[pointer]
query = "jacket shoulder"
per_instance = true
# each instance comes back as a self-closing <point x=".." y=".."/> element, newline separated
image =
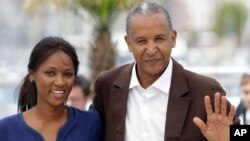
<point x="193" y="78"/>
<point x="190" y="75"/>
<point x="200" y="81"/>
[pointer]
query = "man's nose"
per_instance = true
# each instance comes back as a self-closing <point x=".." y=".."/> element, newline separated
<point x="151" y="48"/>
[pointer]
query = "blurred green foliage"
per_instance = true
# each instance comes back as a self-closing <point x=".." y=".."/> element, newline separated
<point x="230" y="19"/>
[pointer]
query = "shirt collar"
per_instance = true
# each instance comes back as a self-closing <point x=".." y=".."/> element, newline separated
<point x="162" y="83"/>
<point x="134" y="81"/>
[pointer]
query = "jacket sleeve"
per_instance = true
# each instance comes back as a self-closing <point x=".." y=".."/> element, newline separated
<point x="98" y="98"/>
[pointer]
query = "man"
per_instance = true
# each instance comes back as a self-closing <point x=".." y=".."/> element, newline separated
<point x="243" y="110"/>
<point x="155" y="99"/>
<point x="80" y="94"/>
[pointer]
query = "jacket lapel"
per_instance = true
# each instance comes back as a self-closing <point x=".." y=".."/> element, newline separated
<point x="119" y="94"/>
<point x="178" y="104"/>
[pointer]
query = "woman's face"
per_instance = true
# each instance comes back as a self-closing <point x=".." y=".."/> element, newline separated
<point x="54" y="79"/>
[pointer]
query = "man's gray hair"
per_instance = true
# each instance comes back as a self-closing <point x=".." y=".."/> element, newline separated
<point x="147" y="8"/>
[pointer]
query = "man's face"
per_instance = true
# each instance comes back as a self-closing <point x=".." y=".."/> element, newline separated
<point x="246" y="94"/>
<point x="150" y="40"/>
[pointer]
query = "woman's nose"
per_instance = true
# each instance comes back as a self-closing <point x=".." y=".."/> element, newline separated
<point x="60" y="81"/>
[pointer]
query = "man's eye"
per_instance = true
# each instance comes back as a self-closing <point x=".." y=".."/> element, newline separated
<point x="141" y="41"/>
<point x="160" y="39"/>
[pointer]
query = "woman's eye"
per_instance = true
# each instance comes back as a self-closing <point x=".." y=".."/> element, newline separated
<point x="49" y="73"/>
<point x="69" y="74"/>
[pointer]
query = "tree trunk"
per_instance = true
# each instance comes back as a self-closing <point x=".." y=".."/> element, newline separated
<point x="102" y="55"/>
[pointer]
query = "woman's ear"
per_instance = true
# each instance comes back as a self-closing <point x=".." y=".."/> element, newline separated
<point x="31" y="76"/>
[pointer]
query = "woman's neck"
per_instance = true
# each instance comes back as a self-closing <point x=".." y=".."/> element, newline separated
<point x="50" y="113"/>
<point x="46" y="120"/>
<point x="46" y="114"/>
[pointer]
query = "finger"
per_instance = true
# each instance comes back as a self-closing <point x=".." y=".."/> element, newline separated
<point x="223" y="106"/>
<point x="231" y="113"/>
<point x="208" y="105"/>
<point x="217" y="103"/>
<point x="200" y="124"/>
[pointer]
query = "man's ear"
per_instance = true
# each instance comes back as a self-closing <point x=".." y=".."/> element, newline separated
<point x="128" y="43"/>
<point x="173" y="38"/>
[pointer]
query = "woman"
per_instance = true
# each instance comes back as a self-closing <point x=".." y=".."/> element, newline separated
<point x="43" y="116"/>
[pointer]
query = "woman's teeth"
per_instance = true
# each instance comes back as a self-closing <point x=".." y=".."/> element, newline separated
<point x="57" y="92"/>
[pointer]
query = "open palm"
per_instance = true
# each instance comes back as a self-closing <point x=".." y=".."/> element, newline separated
<point x="218" y="121"/>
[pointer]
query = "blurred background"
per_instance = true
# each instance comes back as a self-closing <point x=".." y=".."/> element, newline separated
<point x="213" y="38"/>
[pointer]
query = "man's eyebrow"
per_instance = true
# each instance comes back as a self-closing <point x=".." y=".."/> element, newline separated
<point x="139" y="37"/>
<point x="160" y="35"/>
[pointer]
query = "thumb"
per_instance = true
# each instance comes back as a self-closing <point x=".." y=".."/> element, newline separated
<point x="200" y="124"/>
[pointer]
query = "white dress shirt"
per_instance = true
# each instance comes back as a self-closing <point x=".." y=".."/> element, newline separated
<point x="147" y="108"/>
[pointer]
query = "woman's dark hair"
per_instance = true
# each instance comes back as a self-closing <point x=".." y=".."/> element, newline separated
<point x="40" y="53"/>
